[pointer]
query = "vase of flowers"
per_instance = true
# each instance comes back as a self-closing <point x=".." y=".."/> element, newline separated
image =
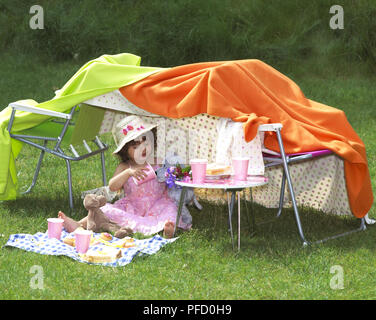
<point x="177" y="173"/>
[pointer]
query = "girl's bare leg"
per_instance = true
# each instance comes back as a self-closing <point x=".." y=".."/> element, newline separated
<point x="69" y="224"/>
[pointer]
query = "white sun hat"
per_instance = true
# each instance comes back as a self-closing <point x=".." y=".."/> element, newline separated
<point x="129" y="129"/>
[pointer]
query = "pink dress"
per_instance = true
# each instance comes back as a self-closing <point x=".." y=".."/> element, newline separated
<point x="145" y="208"/>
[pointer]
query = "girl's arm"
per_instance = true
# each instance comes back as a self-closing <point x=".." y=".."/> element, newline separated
<point x="122" y="173"/>
<point x="120" y="177"/>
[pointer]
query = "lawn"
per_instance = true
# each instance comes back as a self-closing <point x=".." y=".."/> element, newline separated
<point x="201" y="264"/>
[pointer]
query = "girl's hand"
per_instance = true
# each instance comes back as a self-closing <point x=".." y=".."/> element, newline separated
<point x="138" y="173"/>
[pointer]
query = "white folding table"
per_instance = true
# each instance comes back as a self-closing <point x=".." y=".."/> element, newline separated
<point x="229" y="185"/>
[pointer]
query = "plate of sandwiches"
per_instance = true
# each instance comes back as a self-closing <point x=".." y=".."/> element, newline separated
<point x="102" y="255"/>
<point x="215" y="171"/>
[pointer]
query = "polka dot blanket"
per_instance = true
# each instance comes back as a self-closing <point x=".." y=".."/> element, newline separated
<point x="40" y="243"/>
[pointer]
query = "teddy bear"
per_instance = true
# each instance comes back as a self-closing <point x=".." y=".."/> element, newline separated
<point x="173" y="159"/>
<point x="97" y="221"/>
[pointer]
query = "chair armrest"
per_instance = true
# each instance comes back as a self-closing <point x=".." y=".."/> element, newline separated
<point x="32" y="109"/>
<point x="270" y="127"/>
<point x="271" y="152"/>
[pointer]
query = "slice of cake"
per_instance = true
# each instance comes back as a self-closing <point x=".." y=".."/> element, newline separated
<point x="213" y="169"/>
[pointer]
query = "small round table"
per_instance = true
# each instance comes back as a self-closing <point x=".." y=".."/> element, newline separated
<point x="228" y="185"/>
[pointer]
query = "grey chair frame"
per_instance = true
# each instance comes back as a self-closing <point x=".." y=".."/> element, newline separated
<point x="56" y="150"/>
<point x="286" y="161"/>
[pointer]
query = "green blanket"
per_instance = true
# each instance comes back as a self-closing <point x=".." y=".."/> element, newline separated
<point x="96" y="77"/>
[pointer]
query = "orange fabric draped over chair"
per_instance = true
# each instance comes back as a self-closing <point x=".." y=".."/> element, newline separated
<point x="252" y="92"/>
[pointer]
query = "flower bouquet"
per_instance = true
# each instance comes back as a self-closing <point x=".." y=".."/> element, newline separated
<point x="177" y="173"/>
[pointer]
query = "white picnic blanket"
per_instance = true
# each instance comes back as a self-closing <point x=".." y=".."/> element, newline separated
<point x="40" y="243"/>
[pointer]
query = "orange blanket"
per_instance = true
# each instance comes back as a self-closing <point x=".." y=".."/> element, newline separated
<point x="253" y="92"/>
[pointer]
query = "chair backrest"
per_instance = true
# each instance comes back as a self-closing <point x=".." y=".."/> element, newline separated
<point x="84" y="125"/>
<point x="88" y="123"/>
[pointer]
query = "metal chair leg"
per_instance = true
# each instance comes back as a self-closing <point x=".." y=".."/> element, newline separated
<point x="296" y="211"/>
<point x="291" y="190"/>
<point x="282" y="194"/>
<point x="70" y="184"/>
<point x="104" y="178"/>
<point x="37" y="169"/>
<point x="362" y="227"/>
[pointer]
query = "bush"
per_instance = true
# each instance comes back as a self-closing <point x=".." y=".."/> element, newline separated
<point x="169" y="33"/>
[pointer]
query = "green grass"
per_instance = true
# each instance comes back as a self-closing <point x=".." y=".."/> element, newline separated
<point x="201" y="263"/>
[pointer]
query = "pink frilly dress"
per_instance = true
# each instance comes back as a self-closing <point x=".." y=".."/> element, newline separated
<point x="145" y="208"/>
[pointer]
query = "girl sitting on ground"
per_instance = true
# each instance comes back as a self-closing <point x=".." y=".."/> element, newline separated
<point x="146" y="207"/>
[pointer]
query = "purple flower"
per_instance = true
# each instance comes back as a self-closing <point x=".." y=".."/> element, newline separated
<point x="170" y="182"/>
<point x="170" y="170"/>
<point x="174" y="173"/>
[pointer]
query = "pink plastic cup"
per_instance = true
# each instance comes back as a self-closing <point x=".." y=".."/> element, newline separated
<point x="55" y="226"/>
<point x="240" y="166"/>
<point x="198" y="167"/>
<point x="83" y="238"/>
<point x="150" y="175"/>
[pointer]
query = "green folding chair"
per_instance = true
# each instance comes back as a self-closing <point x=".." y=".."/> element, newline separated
<point x="78" y="127"/>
